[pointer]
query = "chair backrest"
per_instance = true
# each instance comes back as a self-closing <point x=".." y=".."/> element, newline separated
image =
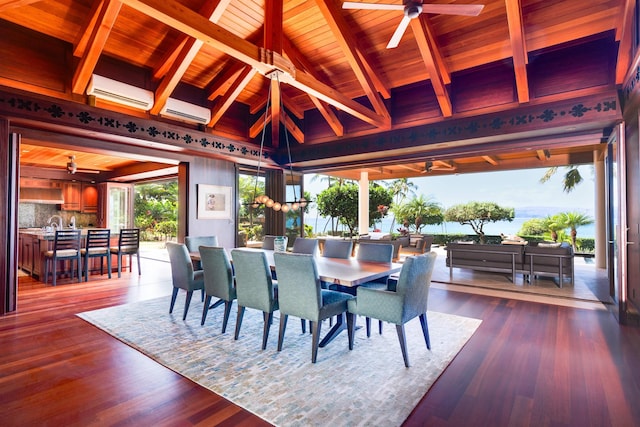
<point x="299" y="292"/>
<point x="129" y="239"/>
<point x="218" y="274"/>
<point x="305" y="246"/>
<point x="375" y="252"/>
<point x="98" y="239"/>
<point x="337" y="248"/>
<point x="267" y="242"/>
<point x="67" y="240"/>
<point x="414" y="283"/>
<point x="194" y="242"/>
<point x="254" y="286"/>
<point x="181" y="266"/>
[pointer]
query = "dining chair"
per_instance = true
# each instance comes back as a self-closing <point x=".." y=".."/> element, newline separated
<point x="254" y="288"/>
<point x="300" y="295"/>
<point x="337" y="248"/>
<point x="375" y="253"/>
<point x="183" y="275"/>
<point x="304" y="245"/>
<point x="194" y="242"/>
<point x="408" y="301"/>
<point x="128" y="244"/>
<point x="267" y="242"/>
<point x="218" y="281"/>
<point x="66" y="246"/>
<point x="97" y="246"/>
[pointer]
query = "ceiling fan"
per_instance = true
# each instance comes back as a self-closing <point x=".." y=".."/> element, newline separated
<point x="412" y="9"/>
<point x="72" y="167"/>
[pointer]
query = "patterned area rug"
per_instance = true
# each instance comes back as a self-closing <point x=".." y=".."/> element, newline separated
<point x="367" y="386"/>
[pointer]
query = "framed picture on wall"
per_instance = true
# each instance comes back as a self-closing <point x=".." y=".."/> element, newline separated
<point x="214" y="202"/>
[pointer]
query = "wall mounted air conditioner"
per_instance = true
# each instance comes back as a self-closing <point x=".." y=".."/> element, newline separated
<point x="176" y="109"/>
<point x="120" y="93"/>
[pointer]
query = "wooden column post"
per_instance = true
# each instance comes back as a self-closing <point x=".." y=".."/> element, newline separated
<point x="10" y="173"/>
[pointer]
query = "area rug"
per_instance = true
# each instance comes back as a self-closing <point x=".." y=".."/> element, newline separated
<point x="367" y="386"/>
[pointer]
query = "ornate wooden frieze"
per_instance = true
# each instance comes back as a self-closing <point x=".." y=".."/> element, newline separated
<point x="91" y="119"/>
<point x="596" y="109"/>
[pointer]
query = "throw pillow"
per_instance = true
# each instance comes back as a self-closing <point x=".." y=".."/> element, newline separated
<point x="549" y="245"/>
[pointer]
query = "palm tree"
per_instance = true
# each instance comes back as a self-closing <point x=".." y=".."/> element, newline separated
<point x="571" y="178"/>
<point x="573" y="220"/>
<point x="420" y="211"/>
<point x="400" y="189"/>
<point x="554" y="224"/>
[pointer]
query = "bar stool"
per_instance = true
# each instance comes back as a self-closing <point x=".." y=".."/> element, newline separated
<point x="97" y="246"/>
<point x="128" y="244"/>
<point x="66" y="246"/>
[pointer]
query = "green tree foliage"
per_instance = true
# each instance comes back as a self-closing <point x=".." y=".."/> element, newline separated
<point x="418" y="212"/>
<point x="574" y="220"/>
<point x="554" y="224"/>
<point x="341" y="202"/>
<point x="156" y="209"/>
<point x="571" y="178"/>
<point x="477" y="214"/>
<point x="533" y="227"/>
<point x="400" y="189"/>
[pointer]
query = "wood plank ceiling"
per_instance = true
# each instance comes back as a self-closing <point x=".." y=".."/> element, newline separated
<point x="331" y="60"/>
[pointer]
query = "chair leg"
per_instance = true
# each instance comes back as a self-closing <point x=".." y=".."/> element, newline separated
<point x="283" y="326"/>
<point x="119" y="266"/>
<point x="205" y="309"/>
<point x="351" y="327"/>
<point x="227" y="311"/>
<point x="186" y="304"/>
<point x="109" y="265"/>
<point x="268" y="319"/>
<point x="79" y="264"/>
<point x="139" y="271"/>
<point x="46" y="271"/>
<point x="174" y="294"/>
<point x="367" y="321"/>
<point x="239" y="321"/>
<point x="380" y="327"/>
<point x="55" y="265"/>
<point x="425" y="329"/>
<point x="303" y="323"/>
<point x="403" y="344"/>
<point x="315" y="339"/>
<point x="86" y="268"/>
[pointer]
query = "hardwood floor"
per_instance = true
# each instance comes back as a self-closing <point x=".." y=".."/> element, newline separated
<point x="528" y="364"/>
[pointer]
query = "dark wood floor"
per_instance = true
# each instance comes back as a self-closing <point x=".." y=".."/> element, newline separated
<point x="529" y="364"/>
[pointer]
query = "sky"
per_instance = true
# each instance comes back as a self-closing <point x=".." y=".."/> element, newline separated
<point x="516" y="189"/>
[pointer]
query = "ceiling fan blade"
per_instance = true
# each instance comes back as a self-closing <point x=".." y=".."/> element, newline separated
<point x="453" y="9"/>
<point x="397" y="35"/>
<point x="371" y="6"/>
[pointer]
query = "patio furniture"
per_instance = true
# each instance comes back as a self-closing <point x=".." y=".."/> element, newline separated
<point x="407" y="302"/>
<point x="182" y="274"/>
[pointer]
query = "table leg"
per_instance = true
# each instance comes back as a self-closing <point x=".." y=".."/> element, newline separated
<point x="334" y="331"/>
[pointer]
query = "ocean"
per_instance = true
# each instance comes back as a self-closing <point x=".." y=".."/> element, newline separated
<point x="323" y="225"/>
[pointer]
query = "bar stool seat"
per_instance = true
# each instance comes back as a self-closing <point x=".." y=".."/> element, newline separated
<point x="66" y="246"/>
<point x="97" y="246"/>
<point x="128" y="244"/>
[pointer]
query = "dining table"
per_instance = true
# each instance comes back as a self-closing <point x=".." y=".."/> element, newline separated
<point x="348" y="273"/>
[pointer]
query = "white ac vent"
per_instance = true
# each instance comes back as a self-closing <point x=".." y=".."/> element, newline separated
<point x="176" y="109"/>
<point x="120" y="93"/>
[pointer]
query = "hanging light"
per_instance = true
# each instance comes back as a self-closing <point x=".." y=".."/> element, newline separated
<point x="263" y="199"/>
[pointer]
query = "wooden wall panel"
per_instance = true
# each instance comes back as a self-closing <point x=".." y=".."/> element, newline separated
<point x="483" y="87"/>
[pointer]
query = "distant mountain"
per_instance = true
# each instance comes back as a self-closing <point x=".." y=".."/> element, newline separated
<point x="543" y="211"/>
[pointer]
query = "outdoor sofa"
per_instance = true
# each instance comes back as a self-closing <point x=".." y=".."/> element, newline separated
<point x="532" y="260"/>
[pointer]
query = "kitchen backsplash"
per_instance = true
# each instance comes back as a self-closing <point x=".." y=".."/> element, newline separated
<point x="32" y="215"/>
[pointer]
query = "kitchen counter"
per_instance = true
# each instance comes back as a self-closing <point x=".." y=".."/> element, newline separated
<point x="49" y="235"/>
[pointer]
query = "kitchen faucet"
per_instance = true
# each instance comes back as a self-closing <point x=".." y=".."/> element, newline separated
<point x="59" y="225"/>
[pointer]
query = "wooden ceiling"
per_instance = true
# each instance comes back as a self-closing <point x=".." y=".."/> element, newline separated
<point x="333" y="63"/>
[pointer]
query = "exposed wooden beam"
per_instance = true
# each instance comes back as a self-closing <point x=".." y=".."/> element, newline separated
<point x="426" y="45"/>
<point x="85" y="34"/>
<point x="292" y="127"/>
<point x="99" y="35"/>
<point x="519" y="48"/>
<point x="491" y="160"/>
<point x="340" y="29"/>
<point x="11" y="4"/>
<point x="410" y="167"/>
<point x="373" y="75"/>
<point x="223" y="81"/>
<point x="259" y="124"/>
<point x="230" y="96"/>
<point x="624" y="36"/>
<point x="292" y="107"/>
<point x="273" y="42"/>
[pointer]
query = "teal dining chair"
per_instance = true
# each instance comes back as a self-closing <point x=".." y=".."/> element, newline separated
<point x="254" y="288"/>
<point x="194" y="242"/>
<point x="218" y="281"/>
<point x="408" y="301"/>
<point x="303" y="245"/>
<point x="300" y="295"/>
<point x="183" y="275"/>
<point x="371" y="252"/>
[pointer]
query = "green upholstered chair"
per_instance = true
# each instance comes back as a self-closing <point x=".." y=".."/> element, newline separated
<point x="128" y="244"/>
<point x="337" y="248"/>
<point x="267" y="242"/>
<point x="304" y="245"/>
<point x="183" y="275"/>
<point x="300" y="295"/>
<point x="408" y="301"/>
<point x="254" y="288"/>
<point x="66" y="247"/>
<point x="97" y="246"/>
<point x="218" y="281"/>
<point x="375" y="253"/>
<point x="194" y="242"/>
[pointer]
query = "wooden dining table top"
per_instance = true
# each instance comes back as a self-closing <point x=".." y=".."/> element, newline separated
<point x="345" y="272"/>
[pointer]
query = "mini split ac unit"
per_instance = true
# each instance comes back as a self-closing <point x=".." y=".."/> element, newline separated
<point x="120" y="93"/>
<point x="176" y="109"/>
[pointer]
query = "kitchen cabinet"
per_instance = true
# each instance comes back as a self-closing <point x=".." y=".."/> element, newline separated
<point x="29" y="253"/>
<point x="72" y="192"/>
<point x="89" y="199"/>
<point x="39" y="183"/>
